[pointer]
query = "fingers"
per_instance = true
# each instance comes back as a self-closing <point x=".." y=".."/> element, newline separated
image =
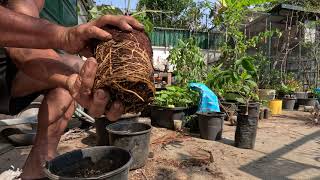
<point x="97" y="33"/>
<point x="126" y="23"/>
<point x="134" y="23"/>
<point x="115" y="112"/>
<point x="99" y="103"/>
<point x="87" y="76"/>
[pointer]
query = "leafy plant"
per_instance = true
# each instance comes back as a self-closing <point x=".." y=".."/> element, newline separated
<point x="175" y="96"/>
<point x="188" y="61"/>
<point x="237" y="82"/>
<point x="290" y="85"/>
<point x="98" y="11"/>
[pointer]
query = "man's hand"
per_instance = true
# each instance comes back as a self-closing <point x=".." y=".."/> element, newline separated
<point x="75" y="39"/>
<point x="80" y="88"/>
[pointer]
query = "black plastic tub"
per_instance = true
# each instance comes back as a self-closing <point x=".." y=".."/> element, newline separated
<point x="133" y="137"/>
<point x="289" y="104"/>
<point x="247" y="124"/>
<point x="164" y="117"/>
<point x="228" y="106"/>
<point x="104" y="162"/>
<point x="211" y="125"/>
<point x="306" y="102"/>
<point x="191" y="110"/>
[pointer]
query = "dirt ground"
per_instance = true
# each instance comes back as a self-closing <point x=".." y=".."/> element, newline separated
<point x="287" y="147"/>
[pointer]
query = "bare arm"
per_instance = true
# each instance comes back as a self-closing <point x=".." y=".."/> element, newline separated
<point x="19" y="30"/>
<point x="44" y="65"/>
<point x="49" y="67"/>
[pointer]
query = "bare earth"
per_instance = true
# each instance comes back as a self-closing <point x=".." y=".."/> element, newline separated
<point x="287" y="147"/>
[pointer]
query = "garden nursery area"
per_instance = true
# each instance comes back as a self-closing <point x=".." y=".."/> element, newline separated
<point x="214" y="89"/>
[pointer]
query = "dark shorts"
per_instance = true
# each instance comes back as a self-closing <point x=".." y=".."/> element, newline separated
<point x="8" y="104"/>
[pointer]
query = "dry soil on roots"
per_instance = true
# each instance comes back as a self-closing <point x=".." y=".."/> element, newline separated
<point x="125" y="68"/>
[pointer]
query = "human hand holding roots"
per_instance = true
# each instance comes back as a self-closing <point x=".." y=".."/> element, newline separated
<point x="125" y="68"/>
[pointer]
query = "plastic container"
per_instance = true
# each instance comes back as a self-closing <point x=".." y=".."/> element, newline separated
<point x="261" y="114"/>
<point x="301" y="95"/>
<point x="247" y="124"/>
<point x="104" y="162"/>
<point x="133" y="137"/>
<point x="211" y="125"/>
<point x="306" y="102"/>
<point x="289" y="104"/>
<point x="266" y="113"/>
<point x="275" y="107"/>
<point x="163" y="117"/>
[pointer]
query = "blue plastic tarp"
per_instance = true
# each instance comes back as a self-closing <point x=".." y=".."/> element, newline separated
<point x="209" y="101"/>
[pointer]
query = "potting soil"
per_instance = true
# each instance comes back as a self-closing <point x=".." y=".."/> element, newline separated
<point x="86" y="168"/>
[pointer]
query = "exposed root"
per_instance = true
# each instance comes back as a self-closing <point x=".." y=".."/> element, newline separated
<point x="125" y="69"/>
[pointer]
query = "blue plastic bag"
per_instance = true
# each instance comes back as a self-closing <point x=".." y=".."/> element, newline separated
<point x="209" y="102"/>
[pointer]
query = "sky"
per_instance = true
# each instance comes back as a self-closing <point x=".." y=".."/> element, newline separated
<point x="119" y="3"/>
<point x="122" y="3"/>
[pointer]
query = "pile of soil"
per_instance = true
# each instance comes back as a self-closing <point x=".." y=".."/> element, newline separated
<point x="125" y="68"/>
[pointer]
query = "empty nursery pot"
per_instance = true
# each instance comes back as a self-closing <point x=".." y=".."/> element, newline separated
<point x="104" y="162"/>
<point x="247" y="124"/>
<point x="289" y="103"/>
<point x="211" y="125"/>
<point x="134" y="137"/>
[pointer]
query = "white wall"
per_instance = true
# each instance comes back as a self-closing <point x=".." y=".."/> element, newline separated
<point x="82" y="14"/>
<point x="160" y="55"/>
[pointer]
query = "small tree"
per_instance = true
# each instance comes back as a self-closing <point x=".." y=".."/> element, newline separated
<point x="188" y="61"/>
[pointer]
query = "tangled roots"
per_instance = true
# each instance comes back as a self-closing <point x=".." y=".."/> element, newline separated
<point x="125" y="69"/>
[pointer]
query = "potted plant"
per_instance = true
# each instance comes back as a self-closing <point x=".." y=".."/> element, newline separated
<point x="248" y="111"/>
<point x="216" y="80"/>
<point x="289" y="100"/>
<point x="170" y="105"/>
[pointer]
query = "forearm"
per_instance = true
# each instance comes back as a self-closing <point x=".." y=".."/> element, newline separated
<point x="19" y="30"/>
<point x="45" y="65"/>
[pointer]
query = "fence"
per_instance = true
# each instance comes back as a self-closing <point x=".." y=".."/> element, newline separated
<point x="168" y="37"/>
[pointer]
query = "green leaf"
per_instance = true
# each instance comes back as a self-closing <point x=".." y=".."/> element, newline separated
<point x="248" y="65"/>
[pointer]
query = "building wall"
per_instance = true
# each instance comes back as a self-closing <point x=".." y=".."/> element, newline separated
<point x="160" y="55"/>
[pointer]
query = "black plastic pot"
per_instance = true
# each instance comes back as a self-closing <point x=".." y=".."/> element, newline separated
<point x="146" y="112"/>
<point x="306" y="102"/>
<point x="193" y="124"/>
<point x="266" y="113"/>
<point x="191" y="110"/>
<point x="228" y="106"/>
<point x="301" y="95"/>
<point x="311" y="102"/>
<point x="134" y="137"/>
<point x="289" y="104"/>
<point x="247" y="124"/>
<point x="101" y="132"/>
<point x="211" y="125"/>
<point x="163" y="117"/>
<point x="261" y="114"/>
<point x="110" y="163"/>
